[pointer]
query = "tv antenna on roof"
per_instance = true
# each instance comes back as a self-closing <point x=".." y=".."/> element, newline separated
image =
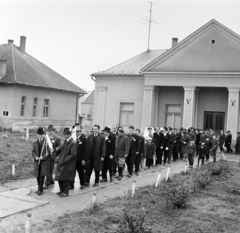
<point x="150" y="21"/>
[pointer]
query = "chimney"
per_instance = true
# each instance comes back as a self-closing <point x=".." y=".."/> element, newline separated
<point x="174" y="41"/>
<point x="10" y="41"/>
<point x="22" y="47"/>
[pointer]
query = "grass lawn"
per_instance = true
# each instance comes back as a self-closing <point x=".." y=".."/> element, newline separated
<point x="212" y="209"/>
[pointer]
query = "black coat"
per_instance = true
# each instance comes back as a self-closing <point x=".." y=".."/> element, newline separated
<point x="133" y="143"/>
<point x="81" y="148"/>
<point x="177" y="143"/>
<point x="141" y="145"/>
<point x="98" y="152"/>
<point x="165" y="141"/>
<point x="110" y="146"/>
<point x="202" y="150"/>
<point x="228" y="140"/>
<point x="67" y="161"/>
<point x="171" y="139"/>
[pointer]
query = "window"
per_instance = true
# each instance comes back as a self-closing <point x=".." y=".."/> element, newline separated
<point x="126" y="114"/>
<point x="46" y="108"/>
<point x="5" y="113"/>
<point x="23" y="105"/>
<point x="35" y="107"/>
<point x="214" y="120"/>
<point x="173" y="116"/>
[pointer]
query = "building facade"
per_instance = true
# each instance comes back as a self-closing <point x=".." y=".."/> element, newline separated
<point x="195" y="83"/>
<point x="32" y="94"/>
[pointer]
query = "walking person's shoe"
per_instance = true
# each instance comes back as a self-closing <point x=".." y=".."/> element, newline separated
<point x="59" y="193"/>
<point x="39" y="193"/>
<point x="82" y="187"/>
<point x="96" y="185"/>
<point x="119" y="178"/>
<point x="64" y="195"/>
<point x="129" y="175"/>
<point x="86" y="185"/>
<point x="103" y="180"/>
<point x="136" y="173"/>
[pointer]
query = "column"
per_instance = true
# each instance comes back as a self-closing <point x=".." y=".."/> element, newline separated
<point x="196" y="107"/>
<point x="233" y="111"/>
<point x="189" y="106"/>
<point x="156" y="106"/>
<point x="147" y="110"/>
<point x="100" y="109"/>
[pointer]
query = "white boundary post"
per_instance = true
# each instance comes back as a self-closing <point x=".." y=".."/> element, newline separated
<point x="133" y="188"/>
<point x="158" y="179"/>
<point x="28" y="223"/>
<point x="168" y="171"/>
<point x="94" y="198"/>
<point x="13" y="170"/>
<point x="27" y="134"/>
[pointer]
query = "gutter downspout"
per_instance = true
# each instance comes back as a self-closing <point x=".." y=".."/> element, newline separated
<point x="77" y="101"/>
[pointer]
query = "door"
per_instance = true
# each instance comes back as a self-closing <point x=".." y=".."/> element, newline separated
<point x="214" y="120"/>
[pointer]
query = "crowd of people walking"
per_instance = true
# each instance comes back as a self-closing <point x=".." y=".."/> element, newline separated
<point x="109" y="151"/>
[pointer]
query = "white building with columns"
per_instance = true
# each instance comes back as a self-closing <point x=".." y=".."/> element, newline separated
<point x="194" y="83"/>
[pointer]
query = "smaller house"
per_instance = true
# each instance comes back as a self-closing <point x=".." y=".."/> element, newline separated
<point x="86" y="113"/>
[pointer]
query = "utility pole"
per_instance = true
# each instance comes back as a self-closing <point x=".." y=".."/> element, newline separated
<point x="150" y="21"/>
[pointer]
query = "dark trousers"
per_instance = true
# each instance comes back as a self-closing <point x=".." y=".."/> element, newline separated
<point x="49" y="179"/>
<point x="114" y="167"/>
<point x="166" y="156"/>
<point x="138" y="162"/>
<point x="158" y="155"/>
<point x="201" y="158"/>
<point x="170" y="154"/>
<point x="197" y="146"/>
<point x="89" y="172"/>
<point x="130" y="162"/>
<point x="107" y="166"/>
<point x="207" y="156"/>
<point x="229" y="149"/>
<point x="149" y="162"/>
<point x="80" y="169"/>
<point x="64" y="186"/>
<point x="40" y="181"/>
<point x="190" y="159"/>
<point x="213" y="152"/>
<point x="120" y="170"/>
<point x="175" y="156"/>
<point x="161" y="151"/>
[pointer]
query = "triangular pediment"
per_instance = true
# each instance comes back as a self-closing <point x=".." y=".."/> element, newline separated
<point x="212" y="48"/>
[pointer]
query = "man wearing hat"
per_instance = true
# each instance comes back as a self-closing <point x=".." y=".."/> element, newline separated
<point x="41" y="154"/>
<point x="56" y="142"/>
<point x="96" y="151"/>
<point x="81" y="156"/>
<point x="65" y="171"/>
<point x="110" y="150"/>
<point x="121" y="151"/>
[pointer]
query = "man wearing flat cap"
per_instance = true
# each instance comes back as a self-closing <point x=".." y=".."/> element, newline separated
<point x="41" y="154"/>
<point x="56" y="142"/>
<point x="65" y="171"/>
<point x="110" y="150"/>
<point x="121" y="151"/>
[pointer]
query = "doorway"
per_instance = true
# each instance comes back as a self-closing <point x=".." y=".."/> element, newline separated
<point x="214" y="120"/>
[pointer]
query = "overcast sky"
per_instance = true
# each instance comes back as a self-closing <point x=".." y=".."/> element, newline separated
<point x="79" y="37"/>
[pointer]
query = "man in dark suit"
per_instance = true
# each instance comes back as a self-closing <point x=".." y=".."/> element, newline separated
<point x="158" y="137"/>
<point x="110" y="150"/>
<point x="140" y="155"/>
<point x="81" y="157"/>
<point x="66" y="164"/>
<point x="96" y="150"/>
<point x="114" y="134"/>
<point x="133" y="150"/>
<point x="228" y="142"/>
<point x="42" y="155"/>
<point x="165" y="145"/>
<point x="56" y="142"/>
<point x="171" y="143"/>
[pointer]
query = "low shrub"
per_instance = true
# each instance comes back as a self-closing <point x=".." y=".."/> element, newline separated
<point x="175" y="194"/>
<point x="134" y="221"/>
<point x="200" y="181"/>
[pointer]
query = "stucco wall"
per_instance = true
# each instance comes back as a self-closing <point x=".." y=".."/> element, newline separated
<point x="168" y="95"/>
<point x="120" y="89"/>
<point x="214" y="100"/>
<point x="62" y="107"/>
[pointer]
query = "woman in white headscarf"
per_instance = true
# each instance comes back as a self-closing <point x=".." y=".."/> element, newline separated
<point x="148" y="132"/>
